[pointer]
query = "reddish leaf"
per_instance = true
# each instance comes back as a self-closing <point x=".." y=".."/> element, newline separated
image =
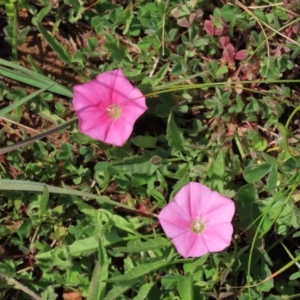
<point x="224" y="40"/>
<point x="277" y="52"/>
<point x="240" y="55"/>
<point x="289" y="31"/>
<point x="228" y="54"/>
<point x="250" y="71"/>
<point x="296" y="28"/>
<point x="183" y="22"/>
<point x="218" y="31"/>
<point x="209" y="27"/>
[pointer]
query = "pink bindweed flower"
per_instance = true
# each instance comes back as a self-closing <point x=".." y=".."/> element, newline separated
<point x="108" y="106"/>
<point x="198" y="220"/>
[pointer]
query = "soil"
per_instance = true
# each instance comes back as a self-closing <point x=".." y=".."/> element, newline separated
<point x="72" y="37"/>
<point x="42" y="54"/>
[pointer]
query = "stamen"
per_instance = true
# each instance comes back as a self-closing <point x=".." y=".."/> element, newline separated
<point x="197" y="226"/>
<point x="114" y="111"/>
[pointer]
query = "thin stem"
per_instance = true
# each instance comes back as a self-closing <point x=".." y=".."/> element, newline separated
<point x="38" y="136"/>
<point x="17" y="285"/>
<point x="240" y="147"/>
<point x="14" y="43"/>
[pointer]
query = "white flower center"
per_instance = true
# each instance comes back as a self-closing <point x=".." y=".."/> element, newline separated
<point x="197" y="226"/>
<point x="114" y="111"/>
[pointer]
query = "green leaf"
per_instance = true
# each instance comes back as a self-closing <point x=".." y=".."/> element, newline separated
<point x="104" y="272"/>
<point x="137" y="164"/>
<point x="92" y="41"/>
<point x="185" y="287"/>
<point x="161" y="74"/>
<point x="272" y="179"/>
<point x="118" y="221"/>
<point x="41" y="14"/>
<point x="82" y="247"/>
<point x="179" y="68"/>
<point x="247" y="207"/>
<point x="21" y="185"/>
<point x="174" y="135"/>
<point x="138" y="272"/>
<point x="221" y="71"/>
<point x="144" y="141"/>
<point x="117" y="51"/>
<point x="144" y="291"/>
<point x="16" y="104"/>
<point x="126" y="17"/>
<point x="139" y="246"/>
<point x="82" y="206"/>
<point x="119" y="290"/>
<point x="22" y="74"/>
<point x="55" y="45"/>
<point x="49" y="293"/>
<point x="44" y="202"/>
<point x="78" y="248"/>
<point x="93" y="293"/>
<point x="256" y="172"/>
<point x="294" y="276"/>
<point x="267" y="285"/>
<point x="219" y="165"/>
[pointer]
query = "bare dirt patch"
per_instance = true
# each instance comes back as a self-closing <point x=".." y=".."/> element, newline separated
<point x="72" y="37"/>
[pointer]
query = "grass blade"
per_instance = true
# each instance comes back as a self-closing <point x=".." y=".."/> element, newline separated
<point x="16" y="104"/>
<point x="22" y="185"/>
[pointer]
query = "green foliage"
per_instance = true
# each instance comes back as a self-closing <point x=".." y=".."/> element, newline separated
<point x="78" y="215"/>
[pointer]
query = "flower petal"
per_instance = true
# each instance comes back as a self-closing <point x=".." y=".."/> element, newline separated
<point x="173" y="220"/>
<point x="136" y="95"/>
<point x="89" y="121"/>
<point x="118" y="132"/>
<point x="89" y="93"/>
<point x="131" y="112"/>
<point x="218" y="237"/>
<point x="190" y="244"/>
<point x="106" y="85"/>
<point x="122" y="87"/>
<point x="193" y="198"/>
<point x="219" y="210"/>
<point x="89" y="117"/>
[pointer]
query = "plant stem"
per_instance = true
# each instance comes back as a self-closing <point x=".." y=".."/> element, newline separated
<point x="17" y="285"/>
<point x="14" y="43"/>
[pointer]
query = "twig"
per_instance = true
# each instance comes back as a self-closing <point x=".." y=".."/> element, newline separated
<point x="154" y="67"/>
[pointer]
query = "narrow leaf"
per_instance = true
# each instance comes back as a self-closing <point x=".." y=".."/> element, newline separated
<point x="94" y="288"/>
<point x="83" y="247"/>
<point x="119" y="290"/>
<point x="44" y="202"/>
<point x="16" y="104"/>
<point x="22" y="185"/>
<point x="105" y="262"/>
<point x="138" y="271"/>
<point x="174" y="135"/>
<point x="144" y="291"/>
<point x="55" y="45"/>
<point x="139" y="246"/>
<point x="185" y="287"/>
<point x="22" y="74"/>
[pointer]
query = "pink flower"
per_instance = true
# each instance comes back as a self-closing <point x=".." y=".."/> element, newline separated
<point x="108" y="106"/>
<point x="198" y="220"/>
